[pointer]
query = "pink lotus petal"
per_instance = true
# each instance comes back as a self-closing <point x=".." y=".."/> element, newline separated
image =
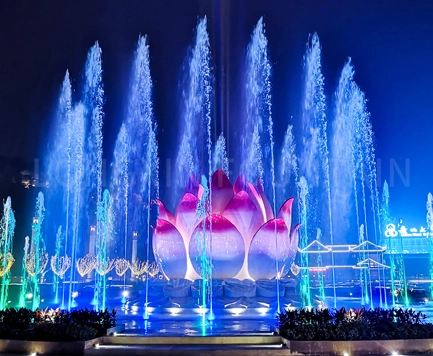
<point x="257" y="199"/>
<point x="222" y="192"/>
<point x="186" y="216"/>
<point x="244" y="215"/>
<point x="164" y="213"/>
<point x="169" y="250"/>
<point x="240" y="184"/>
<point x="270" y="247"/>
<point x="267" y="205"/>
<point x="226" y="244"/>
<point x="286" y="212"/>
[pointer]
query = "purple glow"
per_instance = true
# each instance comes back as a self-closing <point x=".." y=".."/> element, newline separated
<point x="242" y="238"/>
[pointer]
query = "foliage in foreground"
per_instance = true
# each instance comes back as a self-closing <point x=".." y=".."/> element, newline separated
<point x="354" y="324"/>
<point x="55" y="325"/>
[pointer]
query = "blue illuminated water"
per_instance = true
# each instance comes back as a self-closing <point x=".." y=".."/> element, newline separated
<point x="103" y="217"/>
<point x="7" y="230"/>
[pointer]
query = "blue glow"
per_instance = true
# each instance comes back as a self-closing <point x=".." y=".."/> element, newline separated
<point x="108" y="222"/>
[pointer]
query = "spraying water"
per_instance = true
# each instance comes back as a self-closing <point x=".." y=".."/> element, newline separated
<point x="351" y="178"/>
<point x="195" y="151"/>
<point x="93" y="99"/>
<point x="37" y="259"/>
<point x="7" y="229"/>
<point x="190" y="159"/>
<point x="364" y="271"/>
<point x="136" y="150"/>
<point x="386" y="220"/>
<point x="220" y="160"/>
<point x="24" y="275"/>
<point x="341" y="153"/>
<point x="106" y="219"/>
<point x="59" y="168"/>
<point x="77" y="175"/>
<point x="56" y="266"/>
<point x="429" y="220"/>
<point x="257" y="93"/>
<point x="120" y="184"/>
<point x="141" y="105"/>
<point x="314" y="163"/>
<point x="202" y="240"/>
<point x="257" y="151"/>
<point x="320" y="274"/>
<point x="288" y="165"/>
<point x="303" y="242"/>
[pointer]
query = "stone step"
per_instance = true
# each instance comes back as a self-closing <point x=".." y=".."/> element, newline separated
<point x="241" y="339"/>
<point x="189" y="350"/>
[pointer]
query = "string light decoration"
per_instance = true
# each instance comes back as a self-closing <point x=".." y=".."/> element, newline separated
<point x="6" y="263"/>
<point x="105" y="266"/>
<point x="122" y="265"/>
<point x="85" y="264"/>
<point x="31" y="263"/>
<point x="295" y="269"/>
<point x="153" y="269"/>
<point x="60" y="264"/>
<point x="138" y="267"/>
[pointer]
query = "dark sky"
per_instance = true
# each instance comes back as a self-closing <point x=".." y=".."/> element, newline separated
<point x="390" y="42"/>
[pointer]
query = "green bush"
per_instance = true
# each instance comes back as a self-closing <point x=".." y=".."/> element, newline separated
<point x="354" y="324"/>
<point x="55" y="325"/>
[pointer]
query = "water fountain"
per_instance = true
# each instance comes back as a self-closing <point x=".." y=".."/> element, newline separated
<point x="226" y="250"/>
<point x="7" y="229"/>
<point x="37" y="258"/>
<point x="429" y="221"/>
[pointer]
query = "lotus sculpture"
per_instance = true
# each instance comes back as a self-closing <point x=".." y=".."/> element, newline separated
<point x="244" y="238"/>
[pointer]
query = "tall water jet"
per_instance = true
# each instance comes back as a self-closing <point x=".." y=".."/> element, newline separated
<point x="303" y="243"/>
<point x="7" y="229"/>
<point x="429" y="221"/>
<point x="24" y="275"/>
<point x="37" y="258"/>
<point x="78" y="125"/>
<point x="93" y="99"/>
<point x="288" y="172"/>
<point x="202" y="241"/>
<point x="314" y="162"/>
<point x="366" y="295"/>
<point x="105" y="217"/>
<point x="341" y="154"/>
<point x="141" y="104"/>
<point x="195" y="152"/>
<point x="120" y="185"/>
<point x="65" y="173"/>
<point x="386" y="220"/>
<point x="136" y="150"/>
<point x="196" y="109"/>
<point x="352" y="146"/>
<point x="255" y="145"/>
<point x="59" y="155"/>
<point x="257" y="150"/>
<point x="353" y="142"/>
<point x="320" y="272"/>
<point x="55" y="264"/>
<point x="220" y="160"/>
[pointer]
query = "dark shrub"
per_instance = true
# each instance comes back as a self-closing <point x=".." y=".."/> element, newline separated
<point x="55" y="325"/>
<point x="356" y="324"/>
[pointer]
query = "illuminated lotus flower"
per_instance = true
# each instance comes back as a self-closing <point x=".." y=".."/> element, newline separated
<point x="246" y="240"/>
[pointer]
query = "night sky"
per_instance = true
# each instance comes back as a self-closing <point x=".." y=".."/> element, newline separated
<point x="390" y="43"/>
